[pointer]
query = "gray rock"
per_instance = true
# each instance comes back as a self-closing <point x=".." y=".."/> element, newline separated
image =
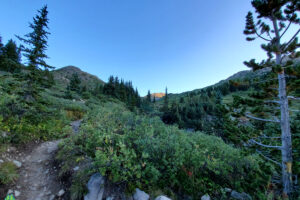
<point x="4" y="134"/>
<point x="95" y="187"/>
<point x="162" y="198"/>
<point x="76" y="168"/>
<point x="10" y="191"/>
<point x="17" y="193"/>
<point x="140" y="195"/>
<point x="76" y="125"/>
<point x="205" y="197"/>
<point x="240" y="196"/>
<point x="17" y="163"/>
<point x="129" y="198"/>
<point x="11" y="149"/>
<point x="52" y="197"/>
<point x="1" y="161"/>
<point x="61" y="192"/>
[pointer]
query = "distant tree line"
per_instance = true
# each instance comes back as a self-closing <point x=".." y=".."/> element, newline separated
<point x="122" y="90"/>
<point x="10" y="56"/>
<point x="116" y="88"/>
<point x="202" y="110"/>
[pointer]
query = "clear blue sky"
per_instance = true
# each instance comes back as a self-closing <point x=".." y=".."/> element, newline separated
<point x="182" y="44"/>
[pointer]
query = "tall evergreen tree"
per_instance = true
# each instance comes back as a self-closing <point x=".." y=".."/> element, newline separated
<point x="123" y="91"/>
<point x="165" y="107"/>
<point x="11" y="57"/>
<point x="1" y="44"/>
<point x="75" y="82"/>
<point x="37" y="41"/>
<point x="274" y="18"/>
<point x="1" y="53"/>
<point x="34" y="51"/>
<point x="12" y="52"/>
<point x="148" y="98"/>
<point x="138" y="99"/>
<point x="167" y="116"/>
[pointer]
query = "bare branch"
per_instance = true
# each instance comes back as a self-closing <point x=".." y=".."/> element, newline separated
<point x="264" y="136"/>
<point x="294" y="110"/>
<point x="291" y="40"/>
<point x="269" y="36"/>
<point x="269" y="159"/>
<point x="286" y="29"/>
<point x="262" y="36"/>
<point x="272" y="79"/>
<point x="264" y="145"/>
<point x="261" y="119"/>
<point x="272" y="101"/>
<point x="290" y="76"/>
<point x="293" y="98"/>
<point x="283" y="57"/>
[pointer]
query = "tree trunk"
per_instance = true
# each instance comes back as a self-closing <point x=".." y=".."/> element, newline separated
<point x="286" y="139"/>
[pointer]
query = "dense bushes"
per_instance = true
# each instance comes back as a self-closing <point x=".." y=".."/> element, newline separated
<point x="8" y="173"/>
<point x="143" y="152"/>
<point x="22" y="121"/>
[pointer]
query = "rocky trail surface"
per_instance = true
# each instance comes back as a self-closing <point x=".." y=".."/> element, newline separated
<point x="37" y="170"/>
<point x="37" y="180"/>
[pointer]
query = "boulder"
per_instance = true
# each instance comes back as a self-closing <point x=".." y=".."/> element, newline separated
<point x="61" y="192"/>
<point x="52" y="197"/>
<point x="95" y="187"/>
<point x="10" y="191"/>
<point x="162" y="198"/>
<point x="227" y="190"/>
<point x="76" y="168"/>
<point x="3" y="134"/>
<point x="17" y="193"/>
<point x="17" y="163"/>
<point x="11" y="149"/>
<point x="205" y="197"/>
<point x="240" y="196"/>
<point x="140" y="195"/>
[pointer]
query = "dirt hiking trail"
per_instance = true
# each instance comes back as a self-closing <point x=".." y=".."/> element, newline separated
<point x="38" y="178"/>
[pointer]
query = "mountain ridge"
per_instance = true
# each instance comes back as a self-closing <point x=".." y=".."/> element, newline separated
<point x="63" y="75"/>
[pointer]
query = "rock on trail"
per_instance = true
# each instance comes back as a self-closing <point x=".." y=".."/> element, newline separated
<point x="76" y="125"/>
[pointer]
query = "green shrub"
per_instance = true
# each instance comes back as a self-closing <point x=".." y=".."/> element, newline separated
<point x="8" y="173"/>
<point x="24" y="121"/>
<point x="144" y="152"/>
<point x="78" y="189"/>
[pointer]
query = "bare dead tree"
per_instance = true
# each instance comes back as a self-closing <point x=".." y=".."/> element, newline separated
<point x="274" y="19"/>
